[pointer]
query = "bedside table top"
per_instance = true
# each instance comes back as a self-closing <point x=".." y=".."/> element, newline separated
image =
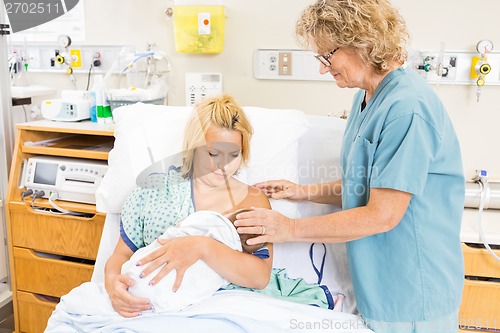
<point x="78" y="127"/>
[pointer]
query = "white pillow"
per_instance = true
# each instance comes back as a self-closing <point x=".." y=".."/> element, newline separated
<point x="143" y="132"/>
<point x="146" y="133"/>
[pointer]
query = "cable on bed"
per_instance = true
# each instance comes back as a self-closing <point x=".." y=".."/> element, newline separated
<point x="319" y="272"/>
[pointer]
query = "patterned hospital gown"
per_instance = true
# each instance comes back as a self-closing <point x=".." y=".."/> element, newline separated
<point x="163" y="200"/>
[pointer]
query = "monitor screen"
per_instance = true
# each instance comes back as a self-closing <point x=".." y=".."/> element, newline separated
<point x="46" y="173"/>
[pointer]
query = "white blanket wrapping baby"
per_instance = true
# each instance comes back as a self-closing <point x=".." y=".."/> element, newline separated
<point x="199" y="281"/>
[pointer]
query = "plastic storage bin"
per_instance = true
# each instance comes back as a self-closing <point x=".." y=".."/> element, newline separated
<point x="117" y="103"/>
<point x="199" y="27"/>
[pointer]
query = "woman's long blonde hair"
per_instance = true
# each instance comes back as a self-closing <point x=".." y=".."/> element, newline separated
<point x="221" y="111"/>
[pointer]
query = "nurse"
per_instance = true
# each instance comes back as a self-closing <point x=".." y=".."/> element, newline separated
<point x="402" y="187"/>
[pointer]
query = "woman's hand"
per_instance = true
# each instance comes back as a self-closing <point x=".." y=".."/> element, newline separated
<point x="272" y="226"/>
<point x="177" y="253"/>
<point x="283" y="189"/>
<point x="124" y="303"/>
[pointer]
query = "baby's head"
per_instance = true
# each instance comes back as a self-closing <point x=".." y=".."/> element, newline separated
<point x="243" y="237"/>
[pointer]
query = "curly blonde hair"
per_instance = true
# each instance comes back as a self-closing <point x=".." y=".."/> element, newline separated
<point x="373" y="27"/>
<point x="221" y="111"/>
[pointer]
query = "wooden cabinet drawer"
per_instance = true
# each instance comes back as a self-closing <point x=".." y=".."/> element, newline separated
<point x="59" y="234"/>
<point x="480" y="305"/>
<point x="52" y="277"/>
<point x="479" y="262"/>
<point x="34" y="312"/>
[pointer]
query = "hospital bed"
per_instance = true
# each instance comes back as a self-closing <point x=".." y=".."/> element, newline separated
<point x="286" y="144"/>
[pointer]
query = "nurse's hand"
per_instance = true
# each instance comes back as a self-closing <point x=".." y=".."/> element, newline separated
<point x="283" y="189"/>
<point x="125" y="304"/>
<point x="272" y="226"/>
<point x="178" y="253"/>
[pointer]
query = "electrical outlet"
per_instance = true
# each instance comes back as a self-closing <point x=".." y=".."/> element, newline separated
<point x="201" y="85"/>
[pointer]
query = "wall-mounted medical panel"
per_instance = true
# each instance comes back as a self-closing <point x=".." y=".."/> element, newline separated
<point x="54" y="58"/>
<point x="449" y="67"/>
<point x="457" y="67"/>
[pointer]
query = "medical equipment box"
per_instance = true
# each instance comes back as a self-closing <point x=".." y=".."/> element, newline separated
<point x="199" y="26"/>
<point x="71" y="179"/>
<point x="65" y="110"/>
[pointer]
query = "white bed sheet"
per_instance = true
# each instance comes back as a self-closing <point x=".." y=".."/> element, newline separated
<point x="88" y="309"/>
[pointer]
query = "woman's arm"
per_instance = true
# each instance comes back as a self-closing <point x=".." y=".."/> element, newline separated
<point x="384" y="211"/>
<point x="116" y="284"/>
<point x="240" y="268"/>
<point x="325" y="193"/>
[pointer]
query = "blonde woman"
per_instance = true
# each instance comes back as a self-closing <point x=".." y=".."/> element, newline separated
<point x="216" y="144"/>
<point x="402" y="186"/>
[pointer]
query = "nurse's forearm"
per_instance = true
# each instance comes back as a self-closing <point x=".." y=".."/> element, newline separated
<point x="325" y="193"/>
<point x="383" y="212"/>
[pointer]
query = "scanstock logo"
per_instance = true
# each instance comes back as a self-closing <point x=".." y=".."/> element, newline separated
<point x="28" y="14"/>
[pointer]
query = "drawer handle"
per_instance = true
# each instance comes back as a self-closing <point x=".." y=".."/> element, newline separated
<point x="481" y="278"/>
<point x="481" y="246"/>
<point x="47" y="298"/>
<point x="54" y="211"/>
<point x="64" y="258"/>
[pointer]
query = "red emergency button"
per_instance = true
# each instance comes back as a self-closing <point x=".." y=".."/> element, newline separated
<point x="206" y="22"/>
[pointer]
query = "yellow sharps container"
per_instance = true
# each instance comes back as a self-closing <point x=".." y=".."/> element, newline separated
<point x="199" y="26"/>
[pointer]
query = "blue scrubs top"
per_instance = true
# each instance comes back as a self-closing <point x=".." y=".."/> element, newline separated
<point x="404" y="140"/>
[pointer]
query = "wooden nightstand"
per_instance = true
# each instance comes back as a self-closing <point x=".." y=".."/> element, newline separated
<point x="480" y="307"/>
<point x="50" y="254"/>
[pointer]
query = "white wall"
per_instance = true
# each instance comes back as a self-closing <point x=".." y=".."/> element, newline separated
<point x="270" y="24"/>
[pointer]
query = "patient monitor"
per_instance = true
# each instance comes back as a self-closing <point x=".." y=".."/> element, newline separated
<point x="71" y="179"/>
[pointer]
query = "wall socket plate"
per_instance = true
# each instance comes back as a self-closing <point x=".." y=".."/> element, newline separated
<point x="201" y="85"/>
<point x="278" y="64"/>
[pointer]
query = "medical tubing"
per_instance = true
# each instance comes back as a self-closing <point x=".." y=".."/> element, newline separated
<point x="319" y="272"/>
<point x="88" y="77"/>
<point x="37" y="194"/>
<point x="480" y="224"/>
<point x="26" y="193"/>
<point x="137" y="58"/>
<point x="55" y="196"/>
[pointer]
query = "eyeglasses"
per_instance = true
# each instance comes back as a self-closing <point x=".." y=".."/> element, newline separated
<point x="324" y="58"/>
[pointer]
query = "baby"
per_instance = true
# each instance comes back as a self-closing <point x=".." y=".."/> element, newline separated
<point x="244" y="237"/>
<point x="199" y="281"/>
